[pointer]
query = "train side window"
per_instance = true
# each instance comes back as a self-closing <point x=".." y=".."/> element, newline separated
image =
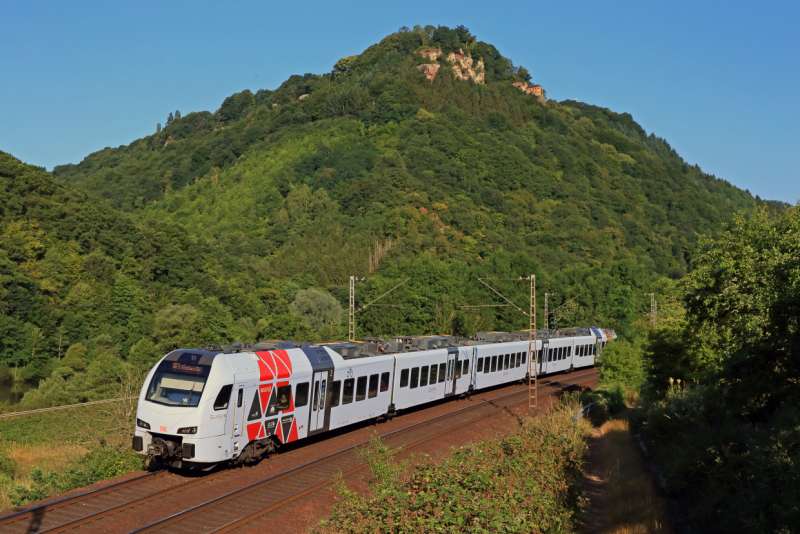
<point x="301" y="394"/>
<point x="333" y="393"/>
<point x="239" y="400"/>
<point x="414" y="377"/>
<point x="494" y="363"/>
<point x="423" y="376"/>
<point x="361" y="388"/>
<point x="284" y="397"/>
<point x="434" y="367"/>
<point x="347" y="391"/>
<point x="442" y="368"/>
<point x="524" y="357"/>
<point x="403" y="378"/>
<point x="519" y="359"/>
<point x="373" y="386"/>
<point x="385" y="381"/>
<point x="255" y="408"/>
<point x="486" y="361"/>
<point x="458" y="369"/>
<point x="480" y="365"/>
<point x="223" y="397"/>
<point x="465" y="367"/>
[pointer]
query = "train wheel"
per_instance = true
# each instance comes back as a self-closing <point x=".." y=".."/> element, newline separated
<point x="152" y="463"/>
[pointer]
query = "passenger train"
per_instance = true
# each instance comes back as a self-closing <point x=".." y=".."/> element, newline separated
<point x="200" y="407"/>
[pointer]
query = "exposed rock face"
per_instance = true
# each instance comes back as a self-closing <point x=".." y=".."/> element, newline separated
<point x="530" y="89"/>
<point x="465" y="69"/>
<point x="430" y="70"/>
<point x="431" y="54"/>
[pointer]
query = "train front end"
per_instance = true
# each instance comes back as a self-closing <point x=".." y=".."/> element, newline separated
<point x="172" y="426"/>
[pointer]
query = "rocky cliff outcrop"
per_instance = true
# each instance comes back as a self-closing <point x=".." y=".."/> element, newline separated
<point x="464" y="67"/>
<point x="530" y="89"/>
<point x="430" y="70"/>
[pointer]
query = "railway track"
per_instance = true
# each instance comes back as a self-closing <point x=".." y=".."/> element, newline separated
<point x="235" y="509"/>
<point x="87" y="511"/>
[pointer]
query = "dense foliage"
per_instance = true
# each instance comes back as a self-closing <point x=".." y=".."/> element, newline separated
<point x="525" y="482"/>
<point x="245" y="223"/>
<point x="723" y="386"/>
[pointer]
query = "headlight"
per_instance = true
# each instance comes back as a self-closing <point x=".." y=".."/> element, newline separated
<point x="188" y="430"/>
<point x="142" y="424"/>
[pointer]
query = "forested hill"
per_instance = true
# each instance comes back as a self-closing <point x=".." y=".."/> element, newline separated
<point x="418" y="159"/>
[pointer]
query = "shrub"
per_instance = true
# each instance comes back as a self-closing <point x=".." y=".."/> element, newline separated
<point x="521" y="483"/>
<point x="600" y="404"/>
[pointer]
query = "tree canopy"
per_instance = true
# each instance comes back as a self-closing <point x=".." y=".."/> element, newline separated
<point x="241" y="224"/>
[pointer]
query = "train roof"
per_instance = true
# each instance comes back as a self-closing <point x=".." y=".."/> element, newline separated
<point x="382" y="346"/>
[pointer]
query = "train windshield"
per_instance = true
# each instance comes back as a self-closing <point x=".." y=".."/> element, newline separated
<point x="176" y="383"/>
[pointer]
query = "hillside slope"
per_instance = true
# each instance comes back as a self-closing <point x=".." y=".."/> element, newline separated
<point x="376" y="169"/>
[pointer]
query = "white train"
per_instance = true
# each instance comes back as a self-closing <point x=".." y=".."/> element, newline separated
<point x="200" y="407"/>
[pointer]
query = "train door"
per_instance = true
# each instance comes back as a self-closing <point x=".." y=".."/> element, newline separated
<point x="464" y="370"/>
<point x="545" y="356"/>
<point x="318" y="396"/>
<point x="319" y="413"/>
<point x="238" y="416"/>
<point x="450" y="377"/>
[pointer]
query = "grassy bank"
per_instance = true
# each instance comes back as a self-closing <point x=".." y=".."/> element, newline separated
<point x="525" y="482"/>
<point x="49" y="453"/>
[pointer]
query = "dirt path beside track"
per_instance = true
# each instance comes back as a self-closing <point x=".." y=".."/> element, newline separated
<point x="622" y="496"/>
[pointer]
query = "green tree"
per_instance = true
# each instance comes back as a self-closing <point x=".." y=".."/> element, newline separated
<point x="318" y="308"/>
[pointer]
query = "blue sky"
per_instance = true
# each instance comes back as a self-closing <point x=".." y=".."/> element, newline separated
<point x="719" y="80"/>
